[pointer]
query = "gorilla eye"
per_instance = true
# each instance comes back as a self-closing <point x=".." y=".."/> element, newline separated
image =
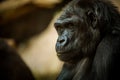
<point x="58" y="26"/>
<point x="60" y="29"/>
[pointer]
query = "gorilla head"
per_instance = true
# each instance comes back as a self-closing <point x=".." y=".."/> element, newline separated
<point x="79" y="30"/>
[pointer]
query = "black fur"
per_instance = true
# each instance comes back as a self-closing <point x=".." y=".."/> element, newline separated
<point x="89" y="41"/>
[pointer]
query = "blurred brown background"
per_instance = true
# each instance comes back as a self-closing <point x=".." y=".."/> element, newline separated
<point x="28" y="27"/>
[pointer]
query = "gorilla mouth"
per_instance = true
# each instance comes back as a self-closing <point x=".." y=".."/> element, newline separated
<point x="59" y="52"/>
<point x="62" y="50"/>
<point x="65" y="53"/>
<point x="64" y="56"/>
<point x="68" y="56"/>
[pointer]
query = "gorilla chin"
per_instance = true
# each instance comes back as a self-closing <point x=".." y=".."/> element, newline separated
<point x="63" y="55"/>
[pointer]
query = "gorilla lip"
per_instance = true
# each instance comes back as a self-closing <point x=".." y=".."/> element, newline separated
<point x="60" y="52"/>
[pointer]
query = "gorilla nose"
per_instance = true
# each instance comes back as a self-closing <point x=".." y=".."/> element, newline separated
<point x="62" y="40"/>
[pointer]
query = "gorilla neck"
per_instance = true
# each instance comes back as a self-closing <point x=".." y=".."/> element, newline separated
<point x="82" y="68"/>
<point x="78" y="70"/>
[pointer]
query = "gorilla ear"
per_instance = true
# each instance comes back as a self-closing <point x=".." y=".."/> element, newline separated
<point x="92" y="18"/>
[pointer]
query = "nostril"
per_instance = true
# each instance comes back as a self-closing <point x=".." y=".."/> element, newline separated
<point x="62" y="40"/>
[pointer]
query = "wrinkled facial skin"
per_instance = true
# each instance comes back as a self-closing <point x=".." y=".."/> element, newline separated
<point x="76" y="36"/>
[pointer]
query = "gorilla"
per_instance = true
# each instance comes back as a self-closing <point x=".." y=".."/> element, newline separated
<point x="89" y="40"/>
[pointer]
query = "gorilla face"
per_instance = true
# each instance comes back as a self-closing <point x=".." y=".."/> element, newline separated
<point x="77" y="32"/>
